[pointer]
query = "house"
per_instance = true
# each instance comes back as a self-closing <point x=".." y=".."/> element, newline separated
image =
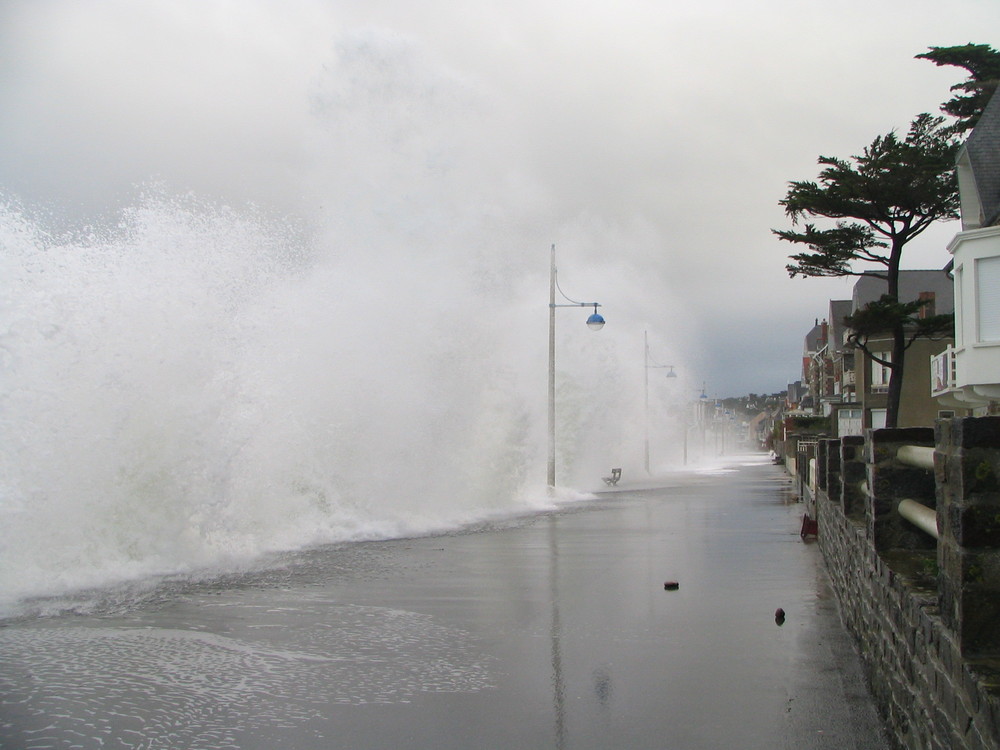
<point x="829" y="371"/>
<point x="812" y="366"/>
<point x="841" y="355"/>
<point x="916" y="407"/>
<point x="850" y="388"/>
<point x="967" y="375"/>
<point x="759" y="428"/>
<point x="794" y="394"/>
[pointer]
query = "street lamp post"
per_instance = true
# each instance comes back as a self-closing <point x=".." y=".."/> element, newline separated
<point x="645" y="372"/>
<point x="703" y="416"/>
<point x="595" y="322"/>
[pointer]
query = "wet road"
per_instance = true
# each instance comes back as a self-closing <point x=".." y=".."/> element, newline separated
<point x="549" y="632"/>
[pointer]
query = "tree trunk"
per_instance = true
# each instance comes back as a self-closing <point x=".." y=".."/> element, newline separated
<point x="898" y="340"/>
<point x="894" y="395"/>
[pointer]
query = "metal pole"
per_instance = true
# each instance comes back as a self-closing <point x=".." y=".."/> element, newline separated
<point x="552" y="369"/>
<point x="919" y="515"/>
<point x="594" y="322"/>
<point x="916" y="455"/>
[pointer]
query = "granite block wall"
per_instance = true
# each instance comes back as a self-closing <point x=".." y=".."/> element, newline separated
<point x="935" y="692"/>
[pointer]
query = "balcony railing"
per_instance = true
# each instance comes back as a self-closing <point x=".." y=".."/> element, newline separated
<point x="943" y="377"/>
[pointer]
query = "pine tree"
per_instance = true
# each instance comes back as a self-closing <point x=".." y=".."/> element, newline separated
<point x="983" y="65"/>
<point x="879" y="200"/>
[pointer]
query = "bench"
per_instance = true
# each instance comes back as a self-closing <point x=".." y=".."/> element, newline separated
<point x="616" y="474"/>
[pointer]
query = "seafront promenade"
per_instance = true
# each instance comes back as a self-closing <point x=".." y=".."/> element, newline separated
<point x="554" y="631"/>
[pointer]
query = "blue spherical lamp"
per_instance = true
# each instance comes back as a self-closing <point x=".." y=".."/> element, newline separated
<point x="595" y="322"/>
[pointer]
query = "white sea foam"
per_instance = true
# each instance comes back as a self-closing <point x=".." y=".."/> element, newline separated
<point x="183" y="688"/>
<point x="189" y="389"/>
<point x="193" y="385"/>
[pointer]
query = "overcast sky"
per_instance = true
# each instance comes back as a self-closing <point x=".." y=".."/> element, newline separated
<point x="670" y="129"/>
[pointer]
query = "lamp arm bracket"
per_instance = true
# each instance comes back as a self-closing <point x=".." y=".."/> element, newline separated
<point x="555" y="278"/>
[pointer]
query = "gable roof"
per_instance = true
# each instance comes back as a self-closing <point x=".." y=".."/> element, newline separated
<point x="870" y="287"/>
<point x="978" y="168"/>
<point x="814" y="339"/>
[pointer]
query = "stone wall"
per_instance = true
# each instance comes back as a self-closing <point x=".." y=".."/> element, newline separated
<point x="967" y="470"/>
<point x="937" y="689"/>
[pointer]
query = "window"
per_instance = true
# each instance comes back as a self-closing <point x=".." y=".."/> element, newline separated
<point x="878" y="419"/>
<point x="881" y="373"/>
<point x="849" y="422"/>
<point x="988" y="298"/>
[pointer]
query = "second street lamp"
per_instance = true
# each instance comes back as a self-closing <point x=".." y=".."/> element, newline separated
<point x="595" y="322"/>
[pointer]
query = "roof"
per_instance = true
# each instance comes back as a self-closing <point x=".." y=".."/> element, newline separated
<point x="981" y="155"/>
<point x="870" y="287"/>
<point x="813" y="339"/>
<point x="839" y="309"/>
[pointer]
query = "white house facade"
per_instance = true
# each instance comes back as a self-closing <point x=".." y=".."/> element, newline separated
<point x="967" y="375"/>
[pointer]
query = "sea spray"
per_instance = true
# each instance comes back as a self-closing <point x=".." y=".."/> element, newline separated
<point x="195" y="383"/>
<point x="197" y="386"/>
